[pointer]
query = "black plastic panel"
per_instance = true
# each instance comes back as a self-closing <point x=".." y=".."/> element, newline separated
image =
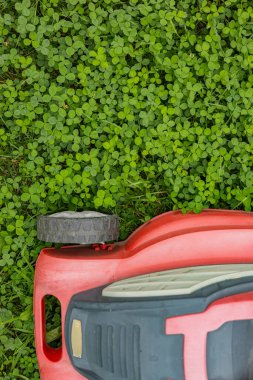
<point x="124" y="339"/>
<point x="230" y="352"/>
<point x="127" y="345"/>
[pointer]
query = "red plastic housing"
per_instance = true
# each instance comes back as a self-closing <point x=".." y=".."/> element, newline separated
<point x="171" y="240"/>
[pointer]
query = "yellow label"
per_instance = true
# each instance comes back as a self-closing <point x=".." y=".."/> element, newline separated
<point x="76" y="338"/>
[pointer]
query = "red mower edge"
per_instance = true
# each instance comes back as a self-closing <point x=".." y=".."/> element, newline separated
<point x="108" y="321"/>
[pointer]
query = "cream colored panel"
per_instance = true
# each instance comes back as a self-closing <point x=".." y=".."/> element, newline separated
<point x="180" y="281"/>
<point x="76" y="338"/>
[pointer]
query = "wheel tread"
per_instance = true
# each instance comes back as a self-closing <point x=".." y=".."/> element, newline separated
<point x="78" y="230"/>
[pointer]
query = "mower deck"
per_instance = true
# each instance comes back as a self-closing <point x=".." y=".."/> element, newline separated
<point x="169" y="338"/>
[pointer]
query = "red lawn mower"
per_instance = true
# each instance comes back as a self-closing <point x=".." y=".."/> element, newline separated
<point x="172" y="302"/>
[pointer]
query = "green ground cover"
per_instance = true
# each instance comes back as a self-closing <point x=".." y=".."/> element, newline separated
<point x="133" y="107"/>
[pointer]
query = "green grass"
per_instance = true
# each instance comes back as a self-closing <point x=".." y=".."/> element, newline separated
<point x="128" y="107"/>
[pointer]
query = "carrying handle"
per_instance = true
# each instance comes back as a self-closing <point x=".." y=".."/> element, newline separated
<point x="52" y="354"/>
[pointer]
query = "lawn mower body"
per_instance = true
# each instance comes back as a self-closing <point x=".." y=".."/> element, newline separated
<point x="164" y="338"/>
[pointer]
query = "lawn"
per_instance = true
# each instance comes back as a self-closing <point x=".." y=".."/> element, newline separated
<point x="129" y="107"/>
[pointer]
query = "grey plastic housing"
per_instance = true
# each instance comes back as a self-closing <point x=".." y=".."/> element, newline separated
<point x="125" y="339"/>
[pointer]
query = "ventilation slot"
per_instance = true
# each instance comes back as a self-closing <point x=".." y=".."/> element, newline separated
<point x="136" y="353"/>
<point x="122" y="352"/>
<point x="99" y="360"/>
<point x="110" y="343"/>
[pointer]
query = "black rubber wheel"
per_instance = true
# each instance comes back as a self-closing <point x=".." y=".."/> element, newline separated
<point x="87" y="227"/>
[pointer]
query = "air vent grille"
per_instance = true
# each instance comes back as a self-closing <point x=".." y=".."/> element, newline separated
<point x="117" y="350"/>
